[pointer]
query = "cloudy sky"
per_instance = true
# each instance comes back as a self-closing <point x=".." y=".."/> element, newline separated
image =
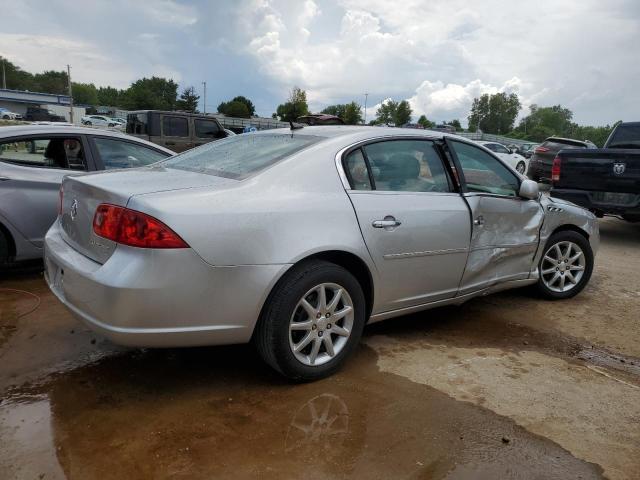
<point x="438" y="54"/>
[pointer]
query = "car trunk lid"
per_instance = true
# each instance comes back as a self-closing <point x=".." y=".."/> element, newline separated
<point x="82" y="195"/>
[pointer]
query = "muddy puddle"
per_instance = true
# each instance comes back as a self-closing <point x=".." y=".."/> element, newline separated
<point x="218" y="413"/>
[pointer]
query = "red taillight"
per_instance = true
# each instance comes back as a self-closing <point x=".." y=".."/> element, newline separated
<point x="133" y="228"/>
<point x="541" y="150"/>
<point x="60" y="197"/>
<point x="555" y="169"/>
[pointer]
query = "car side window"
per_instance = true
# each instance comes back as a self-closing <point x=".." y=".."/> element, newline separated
<point x="500" y="149"/>
<point x="483" y="172"/>
<point x="206" y="129"/>
<point x="118" y="154"/>
<point x="407" y="166"/>
<point x="55" y="152"/>
<point x="175" y="127"/>
<point x="357" y="171"/>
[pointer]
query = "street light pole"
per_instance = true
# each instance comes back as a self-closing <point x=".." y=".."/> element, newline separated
<point x="204" y="102"/>
<point x="70" y="94"/>
<point x="4" y="77"/>
<point x="366" y="95"/>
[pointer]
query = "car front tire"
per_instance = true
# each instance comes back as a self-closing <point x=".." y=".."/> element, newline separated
<point x="566" y="265"/>
<point x="312" y="321"/>
<point x="4" y="249"/>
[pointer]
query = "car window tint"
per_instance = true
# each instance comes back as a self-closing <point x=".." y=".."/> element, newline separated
<point x="206" y="129"/>
<point x="500" y="149"/>
<point x="58" y="152"/>
<point x="407" y="166"/>
<point x="175" y="127"/>
<point x="239" y="156"/>
<point x="484" y="173"/>
<point x="357" y="171"/>
<point x="118" y="154"/>
<point x="490" y="146"/>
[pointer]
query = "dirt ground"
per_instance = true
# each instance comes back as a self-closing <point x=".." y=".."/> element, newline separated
<point x="507" y="386"/>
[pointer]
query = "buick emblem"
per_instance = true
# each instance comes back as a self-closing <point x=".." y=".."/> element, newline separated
<point x="74" y="209"/>
<point x="619" y="168"/>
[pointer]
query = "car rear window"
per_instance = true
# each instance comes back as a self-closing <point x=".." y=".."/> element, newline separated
<point x="625" y="136"/>
<point x="240" y="156"/>
<point x="558" y="145"/>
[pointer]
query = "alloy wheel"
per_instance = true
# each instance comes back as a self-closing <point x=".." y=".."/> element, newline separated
<point x="562" y="266"/>
<point x="321" y="324"/>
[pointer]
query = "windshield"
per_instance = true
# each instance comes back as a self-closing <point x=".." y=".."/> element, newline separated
<point x="240" y="156"/>
<point x="625" y="136"/>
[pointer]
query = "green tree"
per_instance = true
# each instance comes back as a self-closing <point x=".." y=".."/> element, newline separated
<point x="494" y="113"/>
<point x="85" y="93"/>
<point x="392" y="112"/>
<point x="188" y="100"/>
<point x="110" y="96"/>
<point x="425" y="122"/>
<point x="250" y="106"/>
<point x="16" y="78"/>
<point x="51" y="81"/>
<point x="296" y="106"/>
<point x="234" y="109"/>
<point x="153" y="93"/>
<point x="350" y="113"/>
<point x="455" y="123"/>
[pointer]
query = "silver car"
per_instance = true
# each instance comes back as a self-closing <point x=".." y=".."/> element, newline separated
<point x="295" y="239"/>
<point x="33" y="161"/>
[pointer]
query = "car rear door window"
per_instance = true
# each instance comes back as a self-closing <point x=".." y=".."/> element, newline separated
<point x="407" y="166"/>
<point x="483" y="172"/>
<point x="357" y="171"/>
<point x="206" y="128"/>
<point x="500" y="148"/>
<point x="120" y="154"/>
<point x="175" y="126"/>
<point x="53" y="152"/>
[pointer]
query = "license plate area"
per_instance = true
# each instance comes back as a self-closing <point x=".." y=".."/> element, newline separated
<point x="615" y="198"/>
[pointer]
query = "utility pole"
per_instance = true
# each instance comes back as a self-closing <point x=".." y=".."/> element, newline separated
<point x="366" y="96"/>
<point x="70" y="94"/>
<point x="204" y="102"/>
<point x="4" y="76"/>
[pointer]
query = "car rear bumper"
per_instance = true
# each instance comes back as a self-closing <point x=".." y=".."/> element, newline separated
<point x="158" y="298"/>
<point x="595" y="202"/>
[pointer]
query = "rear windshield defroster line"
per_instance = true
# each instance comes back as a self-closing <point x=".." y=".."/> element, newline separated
<point x="240" y="156"/>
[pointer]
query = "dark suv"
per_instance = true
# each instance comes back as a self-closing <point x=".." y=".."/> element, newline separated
<point x="541" y="161"/>
<point x="42" y="114"/>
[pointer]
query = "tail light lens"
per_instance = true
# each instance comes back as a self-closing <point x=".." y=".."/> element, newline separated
<point x="555" y="169"/>
<point x="60" y="198"/>
<point x="137" y="229"/>
<point x="541" y="150"/>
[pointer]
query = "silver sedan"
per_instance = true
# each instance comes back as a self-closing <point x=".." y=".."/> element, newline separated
<point x="295" y="239"/>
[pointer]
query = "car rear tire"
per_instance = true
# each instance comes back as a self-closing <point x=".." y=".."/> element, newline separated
<point x="87" y="123"/>
<point x="566" y="265"/>
<point x="520" y="167"/>
<point x="312" y="321"/>
<point x="4" y="249"/>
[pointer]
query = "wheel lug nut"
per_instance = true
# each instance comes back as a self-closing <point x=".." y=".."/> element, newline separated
<point x="318" y="315"/>
<point x="314" y="326"/>
<point x="328" y="325"/>
<point x="320" y="333"/>
<point x="327" y="315"/>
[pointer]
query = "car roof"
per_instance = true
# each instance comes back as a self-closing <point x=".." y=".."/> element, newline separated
<point x="20" y="130"/>
<point x="358" y="132"/>
<point x="565" y="140"/>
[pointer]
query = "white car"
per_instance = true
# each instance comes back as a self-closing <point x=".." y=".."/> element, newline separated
<point x="9" y="115"/>
<point x="516" y="161"/>
<point x="98" y="121"/>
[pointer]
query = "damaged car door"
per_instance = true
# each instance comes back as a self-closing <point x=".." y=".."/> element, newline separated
<point x="505" y="227"/>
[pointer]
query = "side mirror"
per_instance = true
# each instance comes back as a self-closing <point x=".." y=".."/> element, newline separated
<point x="529" y="190"/>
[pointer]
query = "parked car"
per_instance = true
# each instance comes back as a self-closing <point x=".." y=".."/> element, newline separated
<point x="604" y="180"/>
<point x="296" y="238"/>
<point x="33" y="161"/>
<point x="516" y="161"/>
<point x="42" y="114"/>
<point x="6" y="114"/>
<point x="178" y="131"/>
<point x="98" y="121"/>
<point x="542" y="158"/>
<point x="526" y="149"/>
<point x="320" y="119"/>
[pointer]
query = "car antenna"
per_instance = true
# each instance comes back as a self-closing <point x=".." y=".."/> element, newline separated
<point x="295" y="126"/>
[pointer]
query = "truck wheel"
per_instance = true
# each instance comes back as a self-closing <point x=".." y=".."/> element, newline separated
<point x="312" y="322"/>
<point x="566" y="265"/>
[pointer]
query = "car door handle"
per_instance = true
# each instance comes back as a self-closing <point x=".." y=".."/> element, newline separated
<point x="479" y="220"/>
<point x="388" y="222"/>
